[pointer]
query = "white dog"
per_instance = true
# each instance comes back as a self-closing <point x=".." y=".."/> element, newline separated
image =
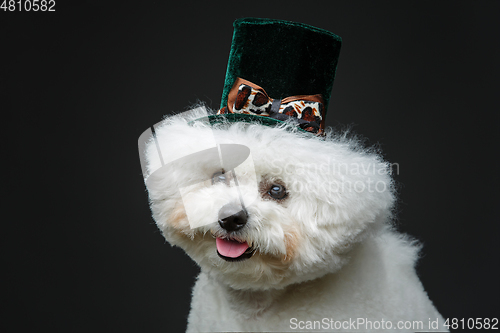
<point x="298" y="237"/>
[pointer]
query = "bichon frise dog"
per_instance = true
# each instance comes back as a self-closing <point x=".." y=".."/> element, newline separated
<point x="292" y="231"/>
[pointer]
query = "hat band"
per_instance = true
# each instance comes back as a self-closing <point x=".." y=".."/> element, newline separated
<point x="248" y="98"/>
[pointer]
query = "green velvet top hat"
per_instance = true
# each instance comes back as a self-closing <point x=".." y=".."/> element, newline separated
<point x="279" y="70"/>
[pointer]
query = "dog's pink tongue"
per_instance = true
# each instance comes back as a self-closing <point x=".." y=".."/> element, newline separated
<point x="230" y="248"/>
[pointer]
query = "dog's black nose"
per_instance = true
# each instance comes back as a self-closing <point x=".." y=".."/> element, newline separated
<point x="232" y="217"/>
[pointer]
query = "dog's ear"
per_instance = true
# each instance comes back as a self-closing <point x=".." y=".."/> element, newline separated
<point x="354" y="188"/>
<point x="365" y="192"/>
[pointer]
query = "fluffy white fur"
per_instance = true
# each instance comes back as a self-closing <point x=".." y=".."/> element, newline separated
<point x="326" y="251"/>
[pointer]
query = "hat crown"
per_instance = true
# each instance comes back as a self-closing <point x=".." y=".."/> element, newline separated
<point x="285" y="58"/>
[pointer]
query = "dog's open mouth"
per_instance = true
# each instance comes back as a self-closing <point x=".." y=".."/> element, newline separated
<point x="232" y="250"/>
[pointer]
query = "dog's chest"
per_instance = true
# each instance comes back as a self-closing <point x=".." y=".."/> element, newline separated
<point x="217" y="309"/>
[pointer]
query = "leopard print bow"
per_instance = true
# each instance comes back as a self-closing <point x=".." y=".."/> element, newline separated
<point x="248" y="98"/>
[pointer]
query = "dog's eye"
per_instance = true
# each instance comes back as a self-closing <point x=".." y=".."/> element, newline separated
<point x="220" y="177"/>
<point x="277" y="191"/>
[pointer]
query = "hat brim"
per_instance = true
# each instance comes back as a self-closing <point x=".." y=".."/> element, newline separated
<point x="245" y="118"/>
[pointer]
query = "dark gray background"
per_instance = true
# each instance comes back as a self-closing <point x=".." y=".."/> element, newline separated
<point x="80" y="251"/>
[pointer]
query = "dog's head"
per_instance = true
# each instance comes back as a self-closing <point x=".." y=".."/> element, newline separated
<point x="290" y="212"/>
